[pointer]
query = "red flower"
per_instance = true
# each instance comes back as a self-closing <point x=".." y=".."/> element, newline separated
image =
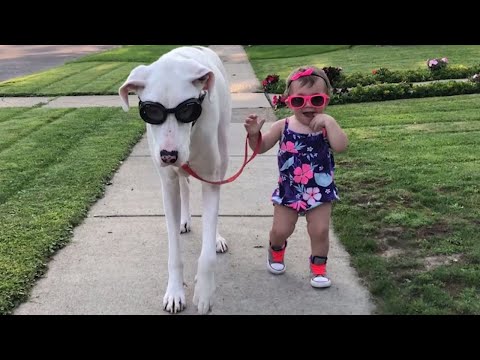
<point x="272" y="78"/>
<point x="269" y="80"/>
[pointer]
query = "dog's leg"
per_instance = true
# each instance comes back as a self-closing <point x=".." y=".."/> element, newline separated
<point x="174" y="299"/>
<point x="186" y="217"/>
<point x="205" y="279"/>
<point x="221" y="244"/>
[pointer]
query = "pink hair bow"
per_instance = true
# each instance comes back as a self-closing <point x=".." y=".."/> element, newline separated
<point x="300" y="74"/>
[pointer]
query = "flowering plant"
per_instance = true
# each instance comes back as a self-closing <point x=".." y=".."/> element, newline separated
<point x="269" y="82"/>
<point x="381" y="72"/>
<point x="340" y="91"/>
<point x="333" y="74"/>
<point x="279" y="101"/>
<point x="437" y="64"/>
<point x="270" y="85"/>
<point x="475" y="78"/>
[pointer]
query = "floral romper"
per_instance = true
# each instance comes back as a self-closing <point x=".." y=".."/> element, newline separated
<point x="306" y="167"/>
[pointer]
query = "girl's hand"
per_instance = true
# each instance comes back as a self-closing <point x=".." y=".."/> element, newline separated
<point x="252" y="125"/>
<point x="319" y="122"/>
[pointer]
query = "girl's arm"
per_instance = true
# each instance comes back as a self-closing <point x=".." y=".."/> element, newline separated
<point x="269" y="138"/>
<point x="336" y="136"/>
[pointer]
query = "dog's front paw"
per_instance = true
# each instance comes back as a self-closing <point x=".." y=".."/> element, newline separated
<point x="174" y="300"/>
<point x="203" y="295"/>
<point x="221" y="244"/>
<point x="186" y="225"/>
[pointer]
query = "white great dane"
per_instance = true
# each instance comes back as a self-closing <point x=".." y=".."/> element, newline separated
<point x="186" y="104"/>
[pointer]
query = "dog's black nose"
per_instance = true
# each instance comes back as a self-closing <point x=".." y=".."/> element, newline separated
<point x="169" y="157"/>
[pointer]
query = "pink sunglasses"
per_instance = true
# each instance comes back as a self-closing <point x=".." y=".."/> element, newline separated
<point x="299" y="101"/>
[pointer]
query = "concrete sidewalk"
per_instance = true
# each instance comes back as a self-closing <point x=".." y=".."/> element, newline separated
<point x="239" y="101"/>
<point x="116" y="262"/>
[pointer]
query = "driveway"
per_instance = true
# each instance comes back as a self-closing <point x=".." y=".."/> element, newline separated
<point x="20" y="60"/>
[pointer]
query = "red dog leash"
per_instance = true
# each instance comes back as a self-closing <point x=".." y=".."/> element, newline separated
<point x="190" y="171"/>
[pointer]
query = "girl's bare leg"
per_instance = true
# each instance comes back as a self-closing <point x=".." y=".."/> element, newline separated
<point x="284" y="220"/>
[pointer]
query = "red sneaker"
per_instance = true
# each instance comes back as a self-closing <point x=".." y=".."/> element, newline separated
<point x="275" y="262"/>
<point x="318" y="269"/>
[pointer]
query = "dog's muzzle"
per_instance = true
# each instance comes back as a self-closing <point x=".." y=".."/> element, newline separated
<point x="169" y="157"/>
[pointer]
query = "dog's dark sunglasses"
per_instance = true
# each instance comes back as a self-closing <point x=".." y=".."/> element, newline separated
<point x="186" y="112"/>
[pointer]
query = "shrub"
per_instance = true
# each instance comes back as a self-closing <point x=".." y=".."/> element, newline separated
<point x="383" y="84"/>
<point x="437" y="63"/>
<point x="279" y="101"/>
<point x="333" y="73"/>
<point x="396" y="76"/>
<point x="382" y="92"/>
<point x="269" y="83"/>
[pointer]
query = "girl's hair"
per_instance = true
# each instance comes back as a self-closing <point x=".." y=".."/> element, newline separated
<point x="309" y="79"/>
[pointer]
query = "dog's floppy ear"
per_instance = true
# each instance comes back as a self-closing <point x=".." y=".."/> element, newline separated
<point x="135" y="81"/>
<point x="207" y="80"/>
<point x="202" y="76"/>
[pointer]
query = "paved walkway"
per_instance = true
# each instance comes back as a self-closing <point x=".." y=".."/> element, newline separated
<point x="239" y="101"/>
<point x="19" y="60"/>
<point x="116" y="262"/>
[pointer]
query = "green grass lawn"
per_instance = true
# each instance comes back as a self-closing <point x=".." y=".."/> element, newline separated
<point x="360" y="58"/>
<point x="96" y="74"/>
<point x="262" y="52"/>
<point x="84" y="78"/>
<point x="409" y="214"/>
<point x="129" y="53"/>
<point x="103" y="73"/>
<point x="54" y="164"/>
